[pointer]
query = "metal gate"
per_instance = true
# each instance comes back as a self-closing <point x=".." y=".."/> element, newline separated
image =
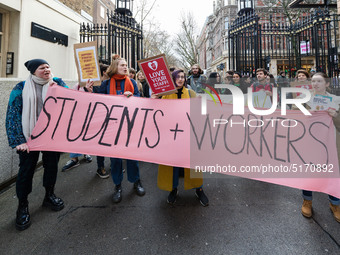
<point x="121" y="35"/>
<point x="253" y="43"/>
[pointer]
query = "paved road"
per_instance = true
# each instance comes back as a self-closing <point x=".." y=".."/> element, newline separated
<point x="244" y="217"/>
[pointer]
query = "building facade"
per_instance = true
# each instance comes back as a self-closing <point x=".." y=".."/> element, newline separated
<point x="213" y="40"/>
<point x="30" y="29"/>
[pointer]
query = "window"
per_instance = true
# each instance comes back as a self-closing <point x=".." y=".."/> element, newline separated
<point x="226" y="23"/>
<point x="102" y="12"/>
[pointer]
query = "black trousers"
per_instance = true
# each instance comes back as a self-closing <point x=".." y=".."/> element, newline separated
<point x="28" y="163"/>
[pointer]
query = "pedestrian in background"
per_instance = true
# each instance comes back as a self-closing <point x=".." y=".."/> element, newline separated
<point x="197" y="79"/>
<point x="142" y="82"/>
<point x="214" y="79"/>
<point x="238" y="82"/>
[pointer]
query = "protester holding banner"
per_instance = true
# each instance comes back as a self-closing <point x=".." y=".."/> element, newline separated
<point x="120" y="84"/>
<point x="24" y="106"/>
<point x="168" y="176"/>
<point x="320" y="83"/>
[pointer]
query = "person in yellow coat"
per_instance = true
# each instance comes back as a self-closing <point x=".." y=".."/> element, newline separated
<point x="167" y="175"/>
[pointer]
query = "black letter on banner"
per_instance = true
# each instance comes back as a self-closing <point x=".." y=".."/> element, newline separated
<point x="142" y="131"/>
<point x="106" y="123"/>
<point x="244" y="137"/>
<point x="69" y="123"/>
<point x="48" y="117"/>
<point x="324" y="145"/>
<point x="275" y="140"/>
<point x="290" y="142"/>
<point x="88" y="123"/>
<point x="159" y="137"/>
<point x="129" y="124"/>
<point x="263" y="139"/>
<point x="207" y="123"/>
<point x="61" y="113"/>
<point x="249" y="140"/>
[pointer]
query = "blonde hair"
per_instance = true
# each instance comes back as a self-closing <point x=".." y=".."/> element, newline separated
<point x="113" y="68"/>
<point x="139" y="84"/>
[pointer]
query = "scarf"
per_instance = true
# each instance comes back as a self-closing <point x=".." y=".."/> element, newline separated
<point x="128" y="86"/>
<point x="30" y="102"/>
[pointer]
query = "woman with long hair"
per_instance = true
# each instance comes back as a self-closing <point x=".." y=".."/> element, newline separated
<point x="120" y="84"/>
<point x="320" y="83"/>
<point x="143" y="85"/>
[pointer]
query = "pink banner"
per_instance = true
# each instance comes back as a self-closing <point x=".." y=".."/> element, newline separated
<point x="294" y="150"/>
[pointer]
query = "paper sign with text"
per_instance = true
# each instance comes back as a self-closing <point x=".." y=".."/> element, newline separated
<point x="321" y="103"/>
<point x="157" y="74"/>
<point x="86" y="58"/>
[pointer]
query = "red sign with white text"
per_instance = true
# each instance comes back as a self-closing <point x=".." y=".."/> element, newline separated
<point x="157" y="74"/>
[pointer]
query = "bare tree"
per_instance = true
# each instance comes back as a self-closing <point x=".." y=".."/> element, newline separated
<point x="144" y="9"/>
<point x="155" y="40"/>
<point x="185" y="41"/>
<point x="158" y="42"/>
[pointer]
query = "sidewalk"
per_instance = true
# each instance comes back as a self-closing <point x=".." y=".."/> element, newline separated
<point x="244" y="217"/>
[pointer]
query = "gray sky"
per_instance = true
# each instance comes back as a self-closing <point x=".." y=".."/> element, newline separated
<point x="168" y="12"/>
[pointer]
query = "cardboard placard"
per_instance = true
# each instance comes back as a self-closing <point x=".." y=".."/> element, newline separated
<point x="157" y="74"/>
<point x="86" y="58"/>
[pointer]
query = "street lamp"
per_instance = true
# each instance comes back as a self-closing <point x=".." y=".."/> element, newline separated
<point x="124" y="7"/>
<point x="245" y="6"/>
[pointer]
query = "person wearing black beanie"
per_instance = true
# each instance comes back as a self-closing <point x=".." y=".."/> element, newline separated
<point x="33" y="64"/>
<point x="24" y="106"/>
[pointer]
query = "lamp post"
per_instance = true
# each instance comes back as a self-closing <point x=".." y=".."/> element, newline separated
<point x="245" y="6"/>
<point x="124" y="7"/>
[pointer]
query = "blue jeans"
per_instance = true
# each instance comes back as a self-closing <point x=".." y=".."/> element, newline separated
<point x="117" y="170"/>
<point x="75" y="155"/>
<point x="308" y="195"/>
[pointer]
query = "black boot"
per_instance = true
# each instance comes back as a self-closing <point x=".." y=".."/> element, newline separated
<point x="117" y="195"/>
<point x="51" y="201"/>
<point x="139" y="188"/>
<point x="23" y="220"/>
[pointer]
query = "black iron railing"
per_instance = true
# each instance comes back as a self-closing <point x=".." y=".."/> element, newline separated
<point x="121" y="35"/>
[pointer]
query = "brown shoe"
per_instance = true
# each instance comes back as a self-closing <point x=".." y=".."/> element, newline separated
<point x="336" y="211"/>
<point x="306" y="209"/>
